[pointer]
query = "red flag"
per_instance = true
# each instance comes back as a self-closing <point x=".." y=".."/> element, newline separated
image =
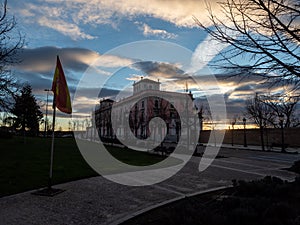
<point x="60" y="89"/>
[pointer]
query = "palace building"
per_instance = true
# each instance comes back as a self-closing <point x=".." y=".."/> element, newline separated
<point x="135" y="113"/>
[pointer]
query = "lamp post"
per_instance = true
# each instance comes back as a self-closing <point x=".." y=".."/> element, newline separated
<point x="232" y="124"/>
<point x="46" y="120"/>
<point x="23" y="127"/>
<point x="195" y="111"/>
<point x="281" y="119"/>
<point x="245" y="138"/>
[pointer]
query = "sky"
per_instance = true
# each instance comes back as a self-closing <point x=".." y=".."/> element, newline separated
<point x="117" y="42"/>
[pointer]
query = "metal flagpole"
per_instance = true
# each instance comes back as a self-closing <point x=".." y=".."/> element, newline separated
<point x="49" y="191"/>
<point x="52" y="145"/>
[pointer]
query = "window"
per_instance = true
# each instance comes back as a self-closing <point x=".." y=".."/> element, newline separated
<point x="156" y="104"/>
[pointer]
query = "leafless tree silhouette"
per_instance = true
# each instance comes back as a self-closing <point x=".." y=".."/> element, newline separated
<point x="261" y="114"/>
<point x="11" y="42"/>
<point x="285" y="105"/>
<point x="266" y="33"/>
<point x="265" y="111"/>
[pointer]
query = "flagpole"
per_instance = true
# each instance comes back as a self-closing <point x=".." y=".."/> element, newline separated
<point x="61" y="100"/>
<point x="52" y="146"/>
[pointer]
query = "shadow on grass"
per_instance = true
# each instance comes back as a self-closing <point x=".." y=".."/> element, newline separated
<point x="26" y="166"/>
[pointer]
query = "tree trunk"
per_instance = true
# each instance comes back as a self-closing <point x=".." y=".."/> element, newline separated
<point x="262" y="138"/>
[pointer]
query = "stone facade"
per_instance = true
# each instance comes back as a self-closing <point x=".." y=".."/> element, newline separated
<point x="136" y="112"/>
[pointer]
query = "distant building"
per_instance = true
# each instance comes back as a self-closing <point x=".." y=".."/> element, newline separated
<point x="147" y="102"/>
<point x="103" y="118"/>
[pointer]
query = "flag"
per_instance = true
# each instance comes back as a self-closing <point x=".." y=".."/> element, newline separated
<point x="60" y="90"/>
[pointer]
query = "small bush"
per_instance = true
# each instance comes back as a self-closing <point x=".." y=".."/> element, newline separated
<point x="5" y="134"/>
<point x="295" y="167"/>
<point x="268" y="186"/>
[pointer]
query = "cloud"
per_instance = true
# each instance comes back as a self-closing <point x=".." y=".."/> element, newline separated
<point x="160" y="70"/>
<point x="235" y="89"/>
<point x="26" y="13"/>
<point x="148" y="31"/>
<point x="54" y="17"/>
<point x="37" y="81"/>
<point x="242" y="92"/>
<point x="173" y="78"/>
<point x="68" y="17"/>
<point x="38" y="65"/>
<point x="68" y="29"/>
<point x="43" y="60"/>
<point x="204" y="53"/>
<point x="113" y="61"/>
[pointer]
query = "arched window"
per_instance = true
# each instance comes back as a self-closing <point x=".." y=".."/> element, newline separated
<point x="156" y="104"/>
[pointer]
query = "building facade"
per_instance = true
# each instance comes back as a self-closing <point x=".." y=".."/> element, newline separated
<point x="133" y="115"/>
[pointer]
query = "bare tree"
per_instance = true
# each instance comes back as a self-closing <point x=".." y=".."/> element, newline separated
<point x="210" y="121"/>
<point x="283" y="104"/>
<point x="265" y="32"/>
<point x="233" y="121"/>
<point x="10" y="43"/>
<point x="261" y="114"/>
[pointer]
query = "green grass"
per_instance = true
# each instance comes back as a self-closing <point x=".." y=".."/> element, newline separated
<point x="131" y="158"/>
<point x="26" y="166"/>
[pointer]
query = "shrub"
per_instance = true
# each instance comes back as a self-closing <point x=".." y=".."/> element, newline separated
<point x="5" y="134"/>
<point x="295" y="167"/>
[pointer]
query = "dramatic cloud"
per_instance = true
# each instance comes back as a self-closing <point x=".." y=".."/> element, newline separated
<point x="54" y="17"/>
<point x="68" y="17"/>
<point x="38" y="65"/>
<point x="43" y="60"/>
<point x="235" y="89"/>
<point x="160" y="70"/>
<point x="173" y="78"/>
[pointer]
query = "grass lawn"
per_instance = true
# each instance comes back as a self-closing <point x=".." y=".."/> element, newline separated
<point x="26" y="166"/>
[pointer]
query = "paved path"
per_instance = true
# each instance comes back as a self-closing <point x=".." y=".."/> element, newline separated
<point x="99" y="201"/>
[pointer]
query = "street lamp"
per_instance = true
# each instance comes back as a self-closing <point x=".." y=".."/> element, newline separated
<point x="200" y="117"/>
<point x="232" y="124"/>
<point x="46" y="120"/>
<point x="281" y="119"/>
<point x="245" y="138"/>
<point x="23" y="127"/>
<point x="195" y="111"/>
